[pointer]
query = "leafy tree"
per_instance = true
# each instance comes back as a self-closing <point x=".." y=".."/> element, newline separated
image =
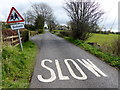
<point x="51" y="24"/>
<point x="39" y="14"/>
<point x="39" y="22"/>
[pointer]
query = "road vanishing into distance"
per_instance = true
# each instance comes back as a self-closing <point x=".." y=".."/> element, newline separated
<point x="61" y="64"/>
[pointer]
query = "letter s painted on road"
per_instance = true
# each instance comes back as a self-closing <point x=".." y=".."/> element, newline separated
<point x="53" y="76"/>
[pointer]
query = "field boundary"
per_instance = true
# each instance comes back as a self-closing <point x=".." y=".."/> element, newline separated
<point x="11" y="40"/>
<point x="104" y="56"/>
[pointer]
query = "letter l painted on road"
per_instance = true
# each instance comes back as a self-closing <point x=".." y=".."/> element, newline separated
<point x="61" y="77"/>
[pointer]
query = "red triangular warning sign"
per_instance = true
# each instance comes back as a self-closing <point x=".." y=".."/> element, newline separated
<point x="14" y="16"/>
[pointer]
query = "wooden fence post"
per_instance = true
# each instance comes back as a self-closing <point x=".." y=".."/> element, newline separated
<point x="1" y="55"/>
<point x="12" y="40"/>
<point x="29" y="34"/>
<point x="0" y="38"/>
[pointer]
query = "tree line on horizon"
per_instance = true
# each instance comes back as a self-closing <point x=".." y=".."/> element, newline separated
<point x="84" y="18"/>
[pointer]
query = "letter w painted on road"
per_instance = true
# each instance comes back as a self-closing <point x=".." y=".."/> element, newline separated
<point x="90" y="66"/>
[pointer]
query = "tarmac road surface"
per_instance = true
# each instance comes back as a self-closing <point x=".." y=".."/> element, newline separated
<point x="60" y="64"/>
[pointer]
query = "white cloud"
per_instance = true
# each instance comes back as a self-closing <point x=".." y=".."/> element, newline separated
<point x="109" y="6"/>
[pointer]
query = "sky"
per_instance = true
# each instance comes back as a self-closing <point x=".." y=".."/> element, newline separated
<point x="110" y="8"/>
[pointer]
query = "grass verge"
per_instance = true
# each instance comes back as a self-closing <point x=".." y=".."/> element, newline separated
<point x="17" y="65"/>
<point x="103" y="38"/>
<point x="107" y="57"/>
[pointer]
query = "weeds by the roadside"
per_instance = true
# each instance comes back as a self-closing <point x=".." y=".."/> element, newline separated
<point x="107" y="57"/>
<point x="17" y="65"/>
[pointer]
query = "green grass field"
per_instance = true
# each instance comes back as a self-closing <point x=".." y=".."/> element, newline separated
<point x="102" y="38"/>
<point x="105" y="56"/>
<point x="108" y="50"/>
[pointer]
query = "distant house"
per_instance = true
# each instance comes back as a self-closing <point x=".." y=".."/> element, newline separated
<point x="45" y="26"/>
<point x="62" y="27"/>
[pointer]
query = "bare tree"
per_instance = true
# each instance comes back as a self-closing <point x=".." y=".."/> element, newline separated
<point x="39" y="12"/>
<point x="29" y="17"/>
<point x="84" y="17"/>
<point x="42" y="9"/>
<point x="52" y="23"/>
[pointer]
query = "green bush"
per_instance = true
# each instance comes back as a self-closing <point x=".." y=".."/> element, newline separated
<point x="61" y="33"/>
<point x="17" y="66"/>
<point x="40" y="31"/>
<point x="30" y="27"/>
<point x="58" y="34"/>
<point x="54" y="31"/>
<point x="25" y="35"/>
<point x="65" y="33"/>
<point x="32" y="33"/>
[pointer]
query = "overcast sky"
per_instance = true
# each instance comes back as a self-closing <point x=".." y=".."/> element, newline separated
<point x="110" y="7"/>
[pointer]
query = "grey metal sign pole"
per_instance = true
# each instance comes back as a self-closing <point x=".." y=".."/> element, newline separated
<point x="20" y="40"/>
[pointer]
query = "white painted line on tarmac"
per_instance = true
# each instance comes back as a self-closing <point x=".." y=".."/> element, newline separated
<point x="53" y="76"/>
<point x="61" y="77"/>
<point x="83" y="77"/>
<point x="87" y="63"/>
<point x="92" y="67"/>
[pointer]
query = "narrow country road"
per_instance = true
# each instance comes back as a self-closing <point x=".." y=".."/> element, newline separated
<point x="61" y="64"/>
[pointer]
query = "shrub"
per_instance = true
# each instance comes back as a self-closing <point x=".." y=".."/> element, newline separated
<point x="113" y="48"/>
<point x="25" y="35"/>
<point x="32" y="33"/>
<point x="30" y="27"/>
<point x="65" y="33"/>
<point x="116" y="46"/>
<point x="54" y="31"/>
<point x="17" y="66"/>
<point x="58" y="34"/>
<point x="40" y="31"/>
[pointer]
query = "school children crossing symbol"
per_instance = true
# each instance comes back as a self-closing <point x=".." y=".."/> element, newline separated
<point x="14" y="16"/>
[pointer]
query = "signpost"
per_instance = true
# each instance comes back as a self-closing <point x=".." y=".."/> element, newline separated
<point x="15" y="17"/>
<point x="17" y="26"/>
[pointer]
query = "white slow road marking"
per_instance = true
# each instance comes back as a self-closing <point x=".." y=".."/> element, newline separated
<point x="87" y="63"/>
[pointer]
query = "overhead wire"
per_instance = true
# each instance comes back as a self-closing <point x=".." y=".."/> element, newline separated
<point x="113" y="23"/>
<point x="107" y="16"/>
<point x="31" y="3"/>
